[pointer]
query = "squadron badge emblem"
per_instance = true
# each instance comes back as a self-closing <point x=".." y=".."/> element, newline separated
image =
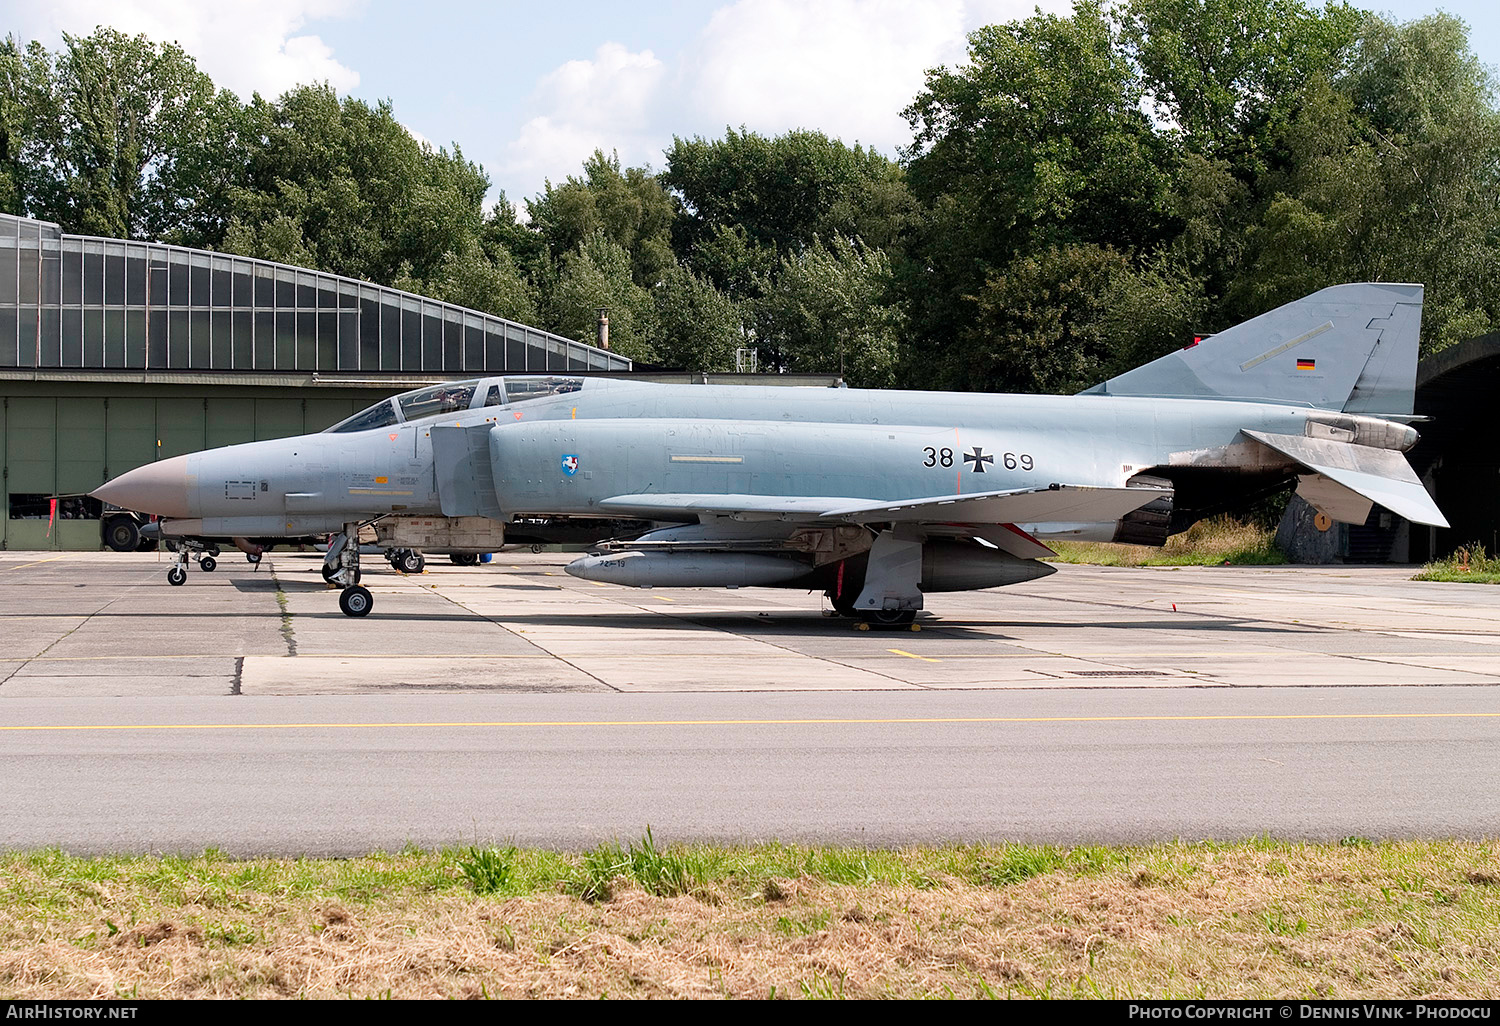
<point x="570" y="465"/>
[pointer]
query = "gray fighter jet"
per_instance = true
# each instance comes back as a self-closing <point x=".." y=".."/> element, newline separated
<point x="872" y="497"/>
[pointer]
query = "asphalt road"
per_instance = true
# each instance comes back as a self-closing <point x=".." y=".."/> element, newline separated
<point x="345" y="774"/>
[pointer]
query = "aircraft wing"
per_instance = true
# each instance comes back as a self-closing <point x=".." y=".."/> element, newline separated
<point x="1070" y="503"/>
<point x="1345" y="478"/>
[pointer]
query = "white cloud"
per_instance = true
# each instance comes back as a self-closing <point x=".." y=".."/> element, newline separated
<point x="244" y="45"/>
<point x="607" y="103"/>
<point x="843" y="67"/>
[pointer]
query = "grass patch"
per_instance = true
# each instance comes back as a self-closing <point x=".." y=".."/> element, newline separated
<point x="1468" y="564"/>
<point x="1214" y="542"/>
<point x="489" y="869"/>
<point x="1258" y="919"/>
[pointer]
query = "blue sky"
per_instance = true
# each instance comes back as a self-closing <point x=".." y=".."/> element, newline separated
<point x="530" y="89"/>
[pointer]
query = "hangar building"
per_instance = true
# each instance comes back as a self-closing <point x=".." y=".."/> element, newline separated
<point x="115" y="353"/>
<point x="1457" y="459"/>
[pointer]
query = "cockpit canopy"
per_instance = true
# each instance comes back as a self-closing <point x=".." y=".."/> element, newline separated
<point x="453" y="397"/>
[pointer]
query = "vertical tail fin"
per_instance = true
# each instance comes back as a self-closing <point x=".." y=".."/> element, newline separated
<point x="1348" y="347"/>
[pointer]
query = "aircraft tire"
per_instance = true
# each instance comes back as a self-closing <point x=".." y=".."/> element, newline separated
<point x="176" y="576"/>
<point x="356" y="601"/>
<point x="252" y="557"/>
<point x="207" y="564"/>
<point x="888" y="617"/>
<point x="411" y="563"/>
<point x="843" y="606"/>
<point x="464" y="559"/>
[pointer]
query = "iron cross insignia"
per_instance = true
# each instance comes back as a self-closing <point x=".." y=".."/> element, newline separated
<point x="978" y="459"/>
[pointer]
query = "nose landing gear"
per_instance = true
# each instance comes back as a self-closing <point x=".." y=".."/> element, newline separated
<point x="341" y="567"/>
<point x="195" y="549"/>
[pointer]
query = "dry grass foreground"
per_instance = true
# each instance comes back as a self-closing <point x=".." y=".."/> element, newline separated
<point x="1215" y="542"/>
<point x="1254" y="919"/>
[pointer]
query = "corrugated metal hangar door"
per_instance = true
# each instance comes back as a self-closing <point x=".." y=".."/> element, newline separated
<point x="67" y="446"/>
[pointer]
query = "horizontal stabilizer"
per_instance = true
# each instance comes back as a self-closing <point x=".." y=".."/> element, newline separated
<point x="1379" y="475"/>
<point x="1028" y="505"/>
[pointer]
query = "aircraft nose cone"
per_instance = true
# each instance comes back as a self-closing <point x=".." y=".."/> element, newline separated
<point x="160" y="488"/>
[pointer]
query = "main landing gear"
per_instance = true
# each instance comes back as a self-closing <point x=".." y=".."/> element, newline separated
<point x="891" y="593"/>
<point x="188" y="547"/>
<point x="341" y="567"/>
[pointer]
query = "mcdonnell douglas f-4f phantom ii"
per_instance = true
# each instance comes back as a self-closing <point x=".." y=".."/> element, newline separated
<point x="872" y="497"/>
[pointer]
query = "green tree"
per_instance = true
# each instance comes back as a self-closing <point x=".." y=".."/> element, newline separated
<point x="344" y="187"/>
<point x="1392" y="176"/>
<point x="27" y="107"/>
<point x="828" y="310"/>
<point x="698" y="328"/>
<point x="629" y="207"/>
<point x="748" y="200"/>
<point x="1039" y="141"/>
<point x="470" y="277"/>
<point x="108" y="128"/>
<point x="1069" y="317"/>
<point x="598" y="274"/>
<point x="1227" y="74"/>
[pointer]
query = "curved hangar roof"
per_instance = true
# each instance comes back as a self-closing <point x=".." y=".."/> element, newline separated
<point x="76" y="302"/>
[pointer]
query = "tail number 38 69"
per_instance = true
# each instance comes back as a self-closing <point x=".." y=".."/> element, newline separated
<point x="935" y="457"/>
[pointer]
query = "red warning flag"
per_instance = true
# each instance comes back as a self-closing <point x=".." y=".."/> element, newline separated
<point x="52" y="520"/>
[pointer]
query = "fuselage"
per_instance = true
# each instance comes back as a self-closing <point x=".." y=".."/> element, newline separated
<point x="565" y="453"/>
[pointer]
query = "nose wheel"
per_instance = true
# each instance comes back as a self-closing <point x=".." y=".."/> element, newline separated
<point x="356" y="601"/>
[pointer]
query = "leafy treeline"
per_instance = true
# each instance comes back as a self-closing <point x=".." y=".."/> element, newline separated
<point x="1082" y="195"/>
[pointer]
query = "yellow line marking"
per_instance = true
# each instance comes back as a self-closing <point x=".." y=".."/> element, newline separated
<point x="599" y="584"/>
<point x="663" y="598"/>
<point x="832" y="721"/>
<point x="39" y="562"/>
<point x="911" y="655"/>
